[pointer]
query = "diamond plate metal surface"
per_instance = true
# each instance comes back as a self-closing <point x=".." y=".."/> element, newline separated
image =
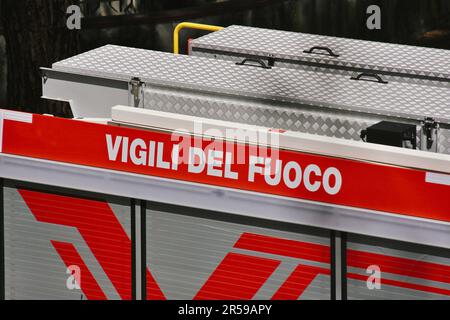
<point x="331" y="124"/>
<point x="444" y="141"/>
<point x="270" y="116"/>
<point x="341" y="72"/>
<point x="377" y="56"/>
<point x="319" y="90"/>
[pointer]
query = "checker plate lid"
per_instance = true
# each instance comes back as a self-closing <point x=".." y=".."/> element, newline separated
<point x="353" y="54"/>
<point x="320" y="90"/>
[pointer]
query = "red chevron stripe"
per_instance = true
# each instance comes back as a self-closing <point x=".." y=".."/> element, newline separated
<point x="70" y="256"/>
<point x="99" y="227"/>
<point x="284" y="247"/>
<point x="399" y="266"/>
<point x="298" y="281"/>
<point x="402" y="284"/>
<point x="238" y="277"/>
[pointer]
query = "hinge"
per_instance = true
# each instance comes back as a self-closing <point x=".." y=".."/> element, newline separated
<point x="430" y="129"/>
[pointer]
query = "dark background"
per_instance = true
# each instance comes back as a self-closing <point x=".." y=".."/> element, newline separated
<point x="33" y="33"/>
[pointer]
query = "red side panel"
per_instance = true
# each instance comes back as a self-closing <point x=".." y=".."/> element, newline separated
<point x="363" y="185"/>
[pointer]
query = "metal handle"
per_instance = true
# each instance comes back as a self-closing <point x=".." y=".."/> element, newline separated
<point x="369" y="75"/>
<point x="328" y="50"/>
<point x="258" y="61"/>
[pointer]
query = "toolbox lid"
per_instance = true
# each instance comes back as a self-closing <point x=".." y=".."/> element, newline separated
<point x="316" y="89"/>
<point x="328" y="51"/>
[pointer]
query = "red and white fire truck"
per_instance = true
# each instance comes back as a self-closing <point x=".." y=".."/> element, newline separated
<point x="263" y="165"/>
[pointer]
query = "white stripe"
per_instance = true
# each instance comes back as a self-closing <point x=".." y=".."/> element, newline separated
<point x="17" y="116"/>
<point x="438" y="178"/>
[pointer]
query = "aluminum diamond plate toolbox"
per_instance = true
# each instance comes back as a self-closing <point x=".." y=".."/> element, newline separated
<point x="289" y="49"/>
<point x="315" y="102"/>
<point x="307" y="88"/>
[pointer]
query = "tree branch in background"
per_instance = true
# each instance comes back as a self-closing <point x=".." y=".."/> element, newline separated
<point x="36" y="36"/>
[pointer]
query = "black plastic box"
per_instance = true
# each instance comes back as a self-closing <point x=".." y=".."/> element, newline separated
<point x="392" y="134"/>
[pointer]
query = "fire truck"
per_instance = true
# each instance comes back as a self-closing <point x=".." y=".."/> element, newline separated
<point x="265" y="165"/>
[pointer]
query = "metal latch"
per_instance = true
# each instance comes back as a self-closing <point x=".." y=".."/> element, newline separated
<point x="430" y="129"/>
<point x="136" y="87"/>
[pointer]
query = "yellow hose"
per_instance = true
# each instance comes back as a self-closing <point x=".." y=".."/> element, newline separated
<point x="189" y="25"/>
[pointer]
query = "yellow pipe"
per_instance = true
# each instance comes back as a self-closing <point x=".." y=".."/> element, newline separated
<point x="189" y="25"/>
